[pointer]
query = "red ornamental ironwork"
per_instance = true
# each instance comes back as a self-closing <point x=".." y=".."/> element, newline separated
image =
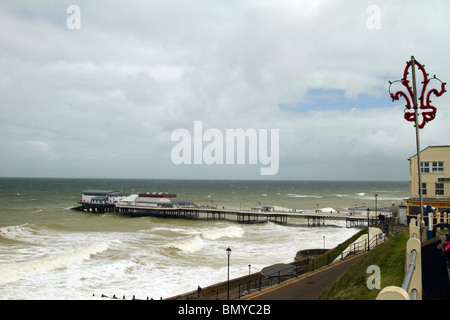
<point x="428" y="111"/>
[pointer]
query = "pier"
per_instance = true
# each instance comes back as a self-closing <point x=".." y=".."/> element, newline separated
<point x="243" y="216"/>
<point x="165" y="205"/>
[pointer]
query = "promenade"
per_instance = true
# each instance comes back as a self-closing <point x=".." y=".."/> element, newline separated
<point x="308" y="286"/>
<point x="301" y="286"/>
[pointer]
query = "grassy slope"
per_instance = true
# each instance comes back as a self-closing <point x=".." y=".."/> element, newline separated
<point x="389" y="256"/>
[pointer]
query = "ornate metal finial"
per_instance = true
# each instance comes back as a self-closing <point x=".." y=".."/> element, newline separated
<point x="428" y="111"/>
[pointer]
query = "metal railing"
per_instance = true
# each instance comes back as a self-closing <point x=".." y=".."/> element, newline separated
<point x="411" y="288"/>
<point x="257" y="282"/>
<point x="409" y="275"/>
<point x="433" y="220"/>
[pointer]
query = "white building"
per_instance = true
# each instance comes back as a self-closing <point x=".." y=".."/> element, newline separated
<point x="102" y="197"/>
<point x="155" y="199"/>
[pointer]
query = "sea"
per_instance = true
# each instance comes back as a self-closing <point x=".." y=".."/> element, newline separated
<point x="50" y="252"/>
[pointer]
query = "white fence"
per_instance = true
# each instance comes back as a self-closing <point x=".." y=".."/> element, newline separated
<point x="411" y="288"/>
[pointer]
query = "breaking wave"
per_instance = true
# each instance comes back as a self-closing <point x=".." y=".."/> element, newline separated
<point x="293" y="195"/>
<point x="197" y="242"/>
<point x="16" y="271"/>
<point x="24" y="232"/>
<point x="229" y="232"/>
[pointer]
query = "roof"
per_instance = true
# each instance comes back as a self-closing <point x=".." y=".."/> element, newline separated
<point x="179" y="201"/>
<point x="157" y="195"/>
<point x="131" y="198"/>
<point x="152" y="200"/>
<point x="112" y="193"/>
<point x="117" y="194"/>
<point x="97" y="192"/>
<point x="445" y="146"/>
<point x="158" y="200"/>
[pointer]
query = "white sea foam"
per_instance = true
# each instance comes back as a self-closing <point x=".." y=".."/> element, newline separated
<point x="382" y="198"/>
<point x="15" y="271"/>
<point x="230" y="232"/>
<point x="196" y="242"/>
<point x="189" y="245"/>
<point x="293" y="195"/>
<point x="137" y="264"/>
<point x="150" y="257"/>
<point x="23" y="232"/>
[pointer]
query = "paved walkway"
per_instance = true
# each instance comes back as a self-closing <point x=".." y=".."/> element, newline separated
<point x="308" y="286"/>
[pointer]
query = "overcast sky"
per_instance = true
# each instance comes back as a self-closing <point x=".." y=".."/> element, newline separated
<point x="99" y="94"/>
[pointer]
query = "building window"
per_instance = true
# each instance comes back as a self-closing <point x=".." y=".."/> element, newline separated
<point x="432" y="167"/>
<point x="425" y="167"/>
<point x="438" y="167"/>
<point x="424" y="189"/>
<point x="439" y="189"/>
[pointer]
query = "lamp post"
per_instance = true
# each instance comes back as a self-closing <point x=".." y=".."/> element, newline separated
<point x="249" y="268"/>
<point x="417" y="107"/>
<point x="376" y="207"/>
<point x="368" y="234"/>
<point x="228" y="281"/>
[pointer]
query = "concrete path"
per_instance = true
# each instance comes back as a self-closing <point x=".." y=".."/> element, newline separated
<point x="308" y="286"/>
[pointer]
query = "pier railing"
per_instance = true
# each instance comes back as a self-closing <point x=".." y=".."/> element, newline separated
<point x="242" y="215"/>
<point x="411" y="288"/>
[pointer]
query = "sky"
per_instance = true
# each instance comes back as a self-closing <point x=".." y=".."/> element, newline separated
<point x="97" y="89"/>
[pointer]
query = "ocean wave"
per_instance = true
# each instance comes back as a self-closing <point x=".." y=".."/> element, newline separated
<point x="229" y="232"/>
<point x="196" y="243"/>
<point x="386" y="198"/>
<point x="293" y="195"/>
<point x="22" y="232"/>
<point x="16" y="271"/>
<point x="189" y="245"/>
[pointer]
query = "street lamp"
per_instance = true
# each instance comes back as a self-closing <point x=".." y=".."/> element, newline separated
<point x="368" y="234"/>
<point x="376" y="208"/>
<point x="249" y="268"/>
<point x="228" y="282"/>
<point x="416" y="104"/>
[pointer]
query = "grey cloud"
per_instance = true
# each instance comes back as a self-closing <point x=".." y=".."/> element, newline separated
<point x="109" y="95"/>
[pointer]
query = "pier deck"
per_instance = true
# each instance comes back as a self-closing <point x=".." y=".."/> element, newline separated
<point x="243" y="216"/>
